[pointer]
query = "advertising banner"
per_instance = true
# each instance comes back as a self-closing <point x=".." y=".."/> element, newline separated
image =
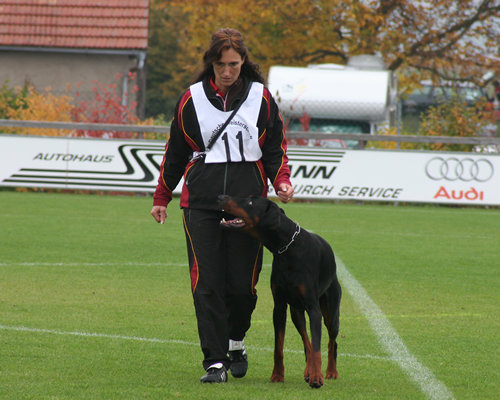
<point x="408" y="176"/>
<point x="77" y="163"/>
<point x="316" y="173"/>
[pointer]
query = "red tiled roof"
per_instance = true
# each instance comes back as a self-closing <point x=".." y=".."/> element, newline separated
<point x="95" y="24"/>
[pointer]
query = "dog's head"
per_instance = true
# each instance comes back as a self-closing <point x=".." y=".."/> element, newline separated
<point x="253" y="215"/>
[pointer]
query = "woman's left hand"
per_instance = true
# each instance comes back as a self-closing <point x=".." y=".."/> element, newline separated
<point x="285" y="192"/>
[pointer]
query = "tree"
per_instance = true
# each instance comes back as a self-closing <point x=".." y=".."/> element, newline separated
<point x="450" y="39"/>
<point x="454" y="118"/>
<point x="161" y="88"/>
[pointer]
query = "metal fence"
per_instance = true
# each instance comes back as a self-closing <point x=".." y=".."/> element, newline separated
<point x="162" y="132"/>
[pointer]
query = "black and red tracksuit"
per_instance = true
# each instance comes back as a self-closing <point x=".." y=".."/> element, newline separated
<point x="224" y="265"/>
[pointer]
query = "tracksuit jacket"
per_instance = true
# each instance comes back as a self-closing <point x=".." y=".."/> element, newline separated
<point x="204" y="182"/>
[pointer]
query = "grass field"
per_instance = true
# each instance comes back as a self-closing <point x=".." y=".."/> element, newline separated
<point x="95" y="303"/>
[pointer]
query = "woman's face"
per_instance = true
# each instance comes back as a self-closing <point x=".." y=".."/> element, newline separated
<point x="227" y="69"/>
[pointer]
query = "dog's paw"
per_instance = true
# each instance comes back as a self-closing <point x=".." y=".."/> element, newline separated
<point x="332" y="374"/>
<point x="315" y="382"/>
<point x="277" y="378"/>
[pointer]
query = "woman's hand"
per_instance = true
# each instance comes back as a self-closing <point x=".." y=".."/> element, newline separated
<point x="159" y="213"/>
<point x="285" y="192"/>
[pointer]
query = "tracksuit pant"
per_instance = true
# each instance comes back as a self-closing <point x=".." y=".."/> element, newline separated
<point x="224" y="266"/>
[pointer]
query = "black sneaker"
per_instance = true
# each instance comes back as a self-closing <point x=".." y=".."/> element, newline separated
<point x="238" y="359"/>
<point x="216" y="373"/>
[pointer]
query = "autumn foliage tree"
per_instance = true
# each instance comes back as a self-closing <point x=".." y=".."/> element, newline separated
<point x="28" y="104"/>
<point x="105" y="106"/>
<point x="450" y="39"/>
<point x="454" y="118"/>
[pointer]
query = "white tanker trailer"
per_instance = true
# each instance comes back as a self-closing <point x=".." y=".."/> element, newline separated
<point x="331" y="98"/>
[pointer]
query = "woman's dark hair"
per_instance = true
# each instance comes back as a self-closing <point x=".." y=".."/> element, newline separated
<point x="225" y="39"/>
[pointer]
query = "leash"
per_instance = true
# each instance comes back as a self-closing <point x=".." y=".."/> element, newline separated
<point x="295" y="234"/>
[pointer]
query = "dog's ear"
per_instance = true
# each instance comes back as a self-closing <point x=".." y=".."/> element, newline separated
<point x="271" y="218"/>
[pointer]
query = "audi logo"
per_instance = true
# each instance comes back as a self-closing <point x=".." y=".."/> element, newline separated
<point x="455" y="169"/>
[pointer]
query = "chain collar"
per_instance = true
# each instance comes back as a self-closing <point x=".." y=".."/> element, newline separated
<point x="295" y="234"/>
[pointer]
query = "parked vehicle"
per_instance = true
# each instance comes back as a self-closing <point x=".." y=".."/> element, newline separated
<point x="430" y="94"/>
<point x="332" y="98"/>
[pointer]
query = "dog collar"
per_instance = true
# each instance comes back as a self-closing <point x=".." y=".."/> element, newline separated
<point x="295" y="234"/>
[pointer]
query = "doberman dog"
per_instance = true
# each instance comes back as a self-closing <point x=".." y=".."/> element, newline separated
<point x="303" y="275"/>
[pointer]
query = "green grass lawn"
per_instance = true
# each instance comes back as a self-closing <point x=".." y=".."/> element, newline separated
<point x="95" y="302"/>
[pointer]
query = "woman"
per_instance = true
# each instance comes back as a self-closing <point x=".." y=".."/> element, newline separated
<point x="224" y="265"/>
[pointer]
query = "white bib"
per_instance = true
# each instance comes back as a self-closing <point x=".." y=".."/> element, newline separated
<point x="240" y="140"/>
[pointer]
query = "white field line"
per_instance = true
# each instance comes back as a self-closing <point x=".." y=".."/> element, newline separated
<point x="386" y="334"/>
<point x="389" y="339"/>
<point x="162" y="341"/>
<point x="90" y="264"/>
<point x="425" y="235"/>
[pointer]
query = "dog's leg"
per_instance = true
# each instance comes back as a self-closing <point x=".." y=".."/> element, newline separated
<point x="315" y="372"/>
<point x="299" y="320"/>
<point x="279" y="321"/>
<point x="330" y="303"/>
<point x="312" y="372"/>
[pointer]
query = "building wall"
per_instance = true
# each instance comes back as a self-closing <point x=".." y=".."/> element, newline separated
<point x="65" y="73"/>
